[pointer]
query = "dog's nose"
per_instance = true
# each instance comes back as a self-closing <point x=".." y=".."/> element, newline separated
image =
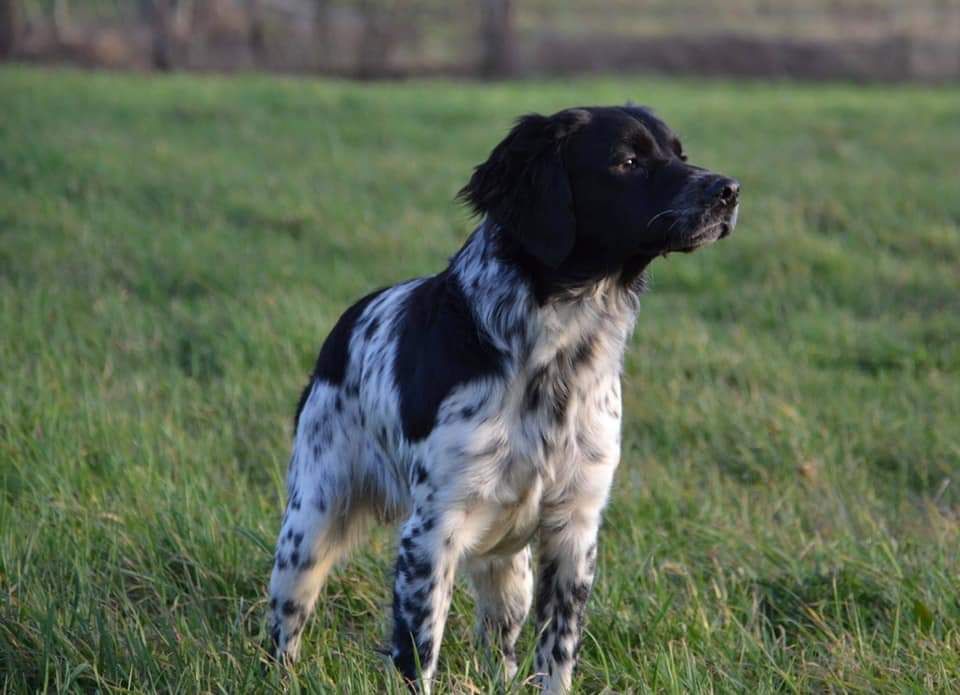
<point x="724" y="190"/>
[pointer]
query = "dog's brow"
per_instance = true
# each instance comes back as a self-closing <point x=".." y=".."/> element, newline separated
<point x="638" y="131"/>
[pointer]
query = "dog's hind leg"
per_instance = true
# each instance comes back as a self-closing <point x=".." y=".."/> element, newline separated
<point x="320" y="524"/>
<point x="311" y="542"/>
<point x="504" y="590"/>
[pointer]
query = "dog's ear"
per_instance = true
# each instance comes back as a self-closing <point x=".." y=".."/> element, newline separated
<point x="524" y="188"/>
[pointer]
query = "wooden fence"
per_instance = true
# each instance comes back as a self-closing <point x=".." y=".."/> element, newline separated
<point x="811" y="39"/>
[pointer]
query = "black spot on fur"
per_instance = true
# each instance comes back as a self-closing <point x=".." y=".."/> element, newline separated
<point x="331" y="365"/>
<point x="406" y="651"/>
<point x="290" y="607"/>
<point x="294" y="559"/>
<point x="544" y="590"/>
<point x="273" y="603"/>
<point x="583" y="352"/>
<point x="419" y="568"/>
<point x="549" y="385"/>
<point x="297" y="539"/>
<point x="421" y="474"/>
<point x="559" y="401"/>
<point x="534" y="390"/>
<point x="560" y="654"/>
<point x="418" y="611"/>
<point x="563" y="608"/>
<point x="371" y="328"/>
<point x="439" y="347"/>
<point x="426" y="648"/>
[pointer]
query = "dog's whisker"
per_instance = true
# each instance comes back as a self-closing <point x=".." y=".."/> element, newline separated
<point x="658" y="216"/>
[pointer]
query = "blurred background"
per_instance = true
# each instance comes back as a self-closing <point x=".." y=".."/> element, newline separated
<point x="862" y="40"/>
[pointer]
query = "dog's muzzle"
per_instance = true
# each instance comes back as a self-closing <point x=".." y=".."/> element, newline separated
<point x="723" y="199"/>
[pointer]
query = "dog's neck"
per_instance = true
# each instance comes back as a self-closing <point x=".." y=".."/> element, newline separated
<point x="530" y="325"/>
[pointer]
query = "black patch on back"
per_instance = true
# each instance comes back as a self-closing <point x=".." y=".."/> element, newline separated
<point x="439" y="348"/>
<point x="331" y="363"/>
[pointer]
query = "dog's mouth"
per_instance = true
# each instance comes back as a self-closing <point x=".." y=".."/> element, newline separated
<point x="712" y="226"/>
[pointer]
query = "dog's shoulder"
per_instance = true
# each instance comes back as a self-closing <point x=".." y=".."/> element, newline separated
<point x="440" y="346"/>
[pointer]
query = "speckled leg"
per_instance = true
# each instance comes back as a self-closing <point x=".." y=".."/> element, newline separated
<point x="566" y="569"/>
<point x="311" y="541"/>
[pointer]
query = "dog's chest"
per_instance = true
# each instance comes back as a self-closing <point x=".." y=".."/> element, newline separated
<point x="565" y="432"/>
<point x="564" y="412"/>
<point x="567" y="396"/>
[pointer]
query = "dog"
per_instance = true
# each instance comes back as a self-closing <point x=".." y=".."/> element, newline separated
<point x="481" y="407"/>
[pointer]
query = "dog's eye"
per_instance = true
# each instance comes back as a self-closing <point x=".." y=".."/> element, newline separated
<point x="630" y="163"/>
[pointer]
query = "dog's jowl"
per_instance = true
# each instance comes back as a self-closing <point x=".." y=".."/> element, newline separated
<point x="480" y="408"/>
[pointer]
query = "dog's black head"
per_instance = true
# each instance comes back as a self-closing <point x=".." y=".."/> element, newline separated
<point x="592" y="191"/>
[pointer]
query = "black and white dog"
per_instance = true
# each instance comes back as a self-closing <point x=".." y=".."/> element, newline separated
<point x="481" y="406"/>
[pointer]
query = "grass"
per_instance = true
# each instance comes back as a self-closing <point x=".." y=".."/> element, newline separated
<point x="173" y="250"/>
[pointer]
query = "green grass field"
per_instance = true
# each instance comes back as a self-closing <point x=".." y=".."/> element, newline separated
<point x="173" y="251"/>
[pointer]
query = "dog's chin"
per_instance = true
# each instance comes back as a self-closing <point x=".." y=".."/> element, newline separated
<point x="708" y="231"/>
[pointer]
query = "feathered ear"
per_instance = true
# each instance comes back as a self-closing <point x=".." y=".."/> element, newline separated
<point x="523" y="186"/>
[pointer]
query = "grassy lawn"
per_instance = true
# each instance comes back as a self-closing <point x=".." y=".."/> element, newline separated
<point x="173" y="251"/>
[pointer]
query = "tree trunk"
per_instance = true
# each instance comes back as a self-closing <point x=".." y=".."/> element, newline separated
<point x="9" y="27"/>
<point x="162" y="25"/>
<point x="376" y="42"/>
<point x="321" y="32"/>
<point x="61" y="21"/>
<point x="497" y="35"/>
<point x="256" y="36"/>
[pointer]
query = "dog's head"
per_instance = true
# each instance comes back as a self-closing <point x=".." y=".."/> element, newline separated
<point x="588" y="191"/>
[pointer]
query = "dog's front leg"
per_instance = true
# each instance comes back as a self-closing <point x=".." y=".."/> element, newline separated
<point x="568" y="556"/>
<point x="504" y="591"/>
<point x="431" y="543"/>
